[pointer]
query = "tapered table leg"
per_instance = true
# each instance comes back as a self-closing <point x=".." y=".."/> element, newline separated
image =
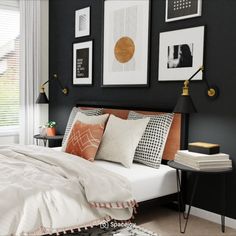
<point x="180" y="201"/>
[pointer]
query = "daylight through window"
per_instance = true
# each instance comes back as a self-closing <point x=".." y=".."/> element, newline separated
<point x="9" y="68"/>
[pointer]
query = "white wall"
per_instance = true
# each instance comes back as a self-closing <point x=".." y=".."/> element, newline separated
<point x="11" y="139"/>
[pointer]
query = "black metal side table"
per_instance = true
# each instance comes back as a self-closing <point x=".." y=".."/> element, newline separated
<point x="46" y="138"/>
<point x="179" y="167"/>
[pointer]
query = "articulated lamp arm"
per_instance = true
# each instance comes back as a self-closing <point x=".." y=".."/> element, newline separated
<point x="212" y="92"/>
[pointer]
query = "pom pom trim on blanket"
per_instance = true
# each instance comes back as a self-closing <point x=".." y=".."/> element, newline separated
<point x="118" y="205"/>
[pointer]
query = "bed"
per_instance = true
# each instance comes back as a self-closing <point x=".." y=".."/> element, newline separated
<point x="147" y="183"/>
<point x="70" y="192"/>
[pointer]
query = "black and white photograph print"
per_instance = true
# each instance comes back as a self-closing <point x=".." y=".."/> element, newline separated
<point x="182" y="9"/>
<point x="82" y="63"/>
<point x="82" y="22"/>
<point x="181" y="54"/>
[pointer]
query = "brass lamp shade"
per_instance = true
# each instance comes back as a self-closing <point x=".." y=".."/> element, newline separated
<point x="42" y="98"/>
<point x="185" y="105"/>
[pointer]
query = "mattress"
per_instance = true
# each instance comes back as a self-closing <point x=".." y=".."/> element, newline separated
<point x="147" y="183"/>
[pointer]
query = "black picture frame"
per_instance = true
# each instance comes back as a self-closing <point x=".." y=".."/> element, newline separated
<point x="169" y="68"/>
<point x="182" y="9"/>
<point x="146" y="84"/>
<point x="85" y="14"/>
<point x="83" y="63"/>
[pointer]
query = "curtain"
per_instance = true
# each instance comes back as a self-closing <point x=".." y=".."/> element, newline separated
<point x="29" y="69"/>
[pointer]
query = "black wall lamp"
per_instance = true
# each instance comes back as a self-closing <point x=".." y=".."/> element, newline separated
<point x="42" y="98"/>
<point x="185" y="104"/>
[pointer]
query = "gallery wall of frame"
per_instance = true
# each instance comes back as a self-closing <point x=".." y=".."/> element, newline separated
<point x="204" y="29"/>
<point x="82" y="51"/>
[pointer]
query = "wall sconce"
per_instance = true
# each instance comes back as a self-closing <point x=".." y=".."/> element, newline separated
<point x="42" y="98"/>
<point x="185" y="104"/>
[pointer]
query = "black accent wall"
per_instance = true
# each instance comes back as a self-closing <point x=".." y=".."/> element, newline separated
<point x="215" y="121"/>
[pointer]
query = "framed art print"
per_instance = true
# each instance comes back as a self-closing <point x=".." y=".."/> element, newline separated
<point x="181" y="54"/>
<point x="82" y="63"/>
<point x="82" y="22"/>
<point x="126" y="41"/>
<point x="182" y="9"/>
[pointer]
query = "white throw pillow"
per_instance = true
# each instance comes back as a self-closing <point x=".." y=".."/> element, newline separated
<point x="120" y="139"/>
<point x="87" y="120"/>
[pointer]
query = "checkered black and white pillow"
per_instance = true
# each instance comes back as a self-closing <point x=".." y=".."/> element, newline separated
<point x="90" y="112"/>
<point x="151" y="146"/>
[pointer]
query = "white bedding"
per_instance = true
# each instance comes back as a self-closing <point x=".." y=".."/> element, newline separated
<point x="45" y="191"/>
<point x="146" y="182"/>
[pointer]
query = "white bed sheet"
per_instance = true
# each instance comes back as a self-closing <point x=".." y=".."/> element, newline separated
<point x="147" y="183"/>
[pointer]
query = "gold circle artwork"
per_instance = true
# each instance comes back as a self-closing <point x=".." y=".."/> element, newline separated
<point x="124" y="49"/>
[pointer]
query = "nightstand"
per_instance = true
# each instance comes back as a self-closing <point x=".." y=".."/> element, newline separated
<point x="46" y="138"/>
<point x="196" y="173"/>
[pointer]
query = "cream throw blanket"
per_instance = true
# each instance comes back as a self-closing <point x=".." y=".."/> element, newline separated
<point x="46" y="191"/>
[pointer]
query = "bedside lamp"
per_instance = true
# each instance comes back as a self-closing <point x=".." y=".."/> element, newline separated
<point x="185" y="106"/>
<point x="42" y="98"/>
<point x="185" y="103"/>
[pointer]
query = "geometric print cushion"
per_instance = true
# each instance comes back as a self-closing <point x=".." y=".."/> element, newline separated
<point x="84" y="140"/>
<point x="90" y="112"/>
<point x="151" y="146"/>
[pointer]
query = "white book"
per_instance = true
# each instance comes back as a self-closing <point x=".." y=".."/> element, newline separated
<point x="201" y="160"/>
<point x="200" y="156"/>
<point x="202" y="163"/>
<point x="207" y="167"/>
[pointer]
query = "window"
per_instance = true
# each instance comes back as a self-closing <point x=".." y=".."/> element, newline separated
<point x="9" y="66"/>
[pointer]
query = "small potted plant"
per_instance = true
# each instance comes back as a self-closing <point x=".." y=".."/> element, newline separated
<point x="51" y="130"/>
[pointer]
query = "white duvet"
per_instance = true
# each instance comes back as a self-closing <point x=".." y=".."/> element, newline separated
<point x="46" y="191"/>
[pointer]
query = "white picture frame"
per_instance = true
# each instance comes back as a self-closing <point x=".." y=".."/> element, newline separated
<point x="182" y="9"/>
<point x="126" y="43"/>
<point x="82" y="22"/>
<point x="181" y="54"/>
<point x="82" y="63"/>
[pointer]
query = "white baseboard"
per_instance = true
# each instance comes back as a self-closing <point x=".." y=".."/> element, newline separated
<point x="213" y="217"/>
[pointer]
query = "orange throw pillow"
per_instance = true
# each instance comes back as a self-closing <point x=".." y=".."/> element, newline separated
<point x="84" y="140"/>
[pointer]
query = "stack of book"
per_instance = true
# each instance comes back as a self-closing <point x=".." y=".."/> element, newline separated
<point x="200" y="161"/>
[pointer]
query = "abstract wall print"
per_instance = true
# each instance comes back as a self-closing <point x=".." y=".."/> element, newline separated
<point x="182" y="9"/>
<point x="126" y="36"/>
<point x="181" y="54"/>
<point x="82" y="22"/>
<point x="82" y="63"/>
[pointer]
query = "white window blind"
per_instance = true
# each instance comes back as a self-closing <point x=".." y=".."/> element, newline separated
<point x="9" y="65"/>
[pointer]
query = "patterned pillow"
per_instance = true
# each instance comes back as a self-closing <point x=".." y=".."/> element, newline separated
<point x="92" y="120"/>
<point x="84" y="140"/>
<point x="90" y="112"/>
<point x="151" y="146"/>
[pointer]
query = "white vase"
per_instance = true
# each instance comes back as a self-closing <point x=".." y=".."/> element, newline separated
<point x="43" y="131"/>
